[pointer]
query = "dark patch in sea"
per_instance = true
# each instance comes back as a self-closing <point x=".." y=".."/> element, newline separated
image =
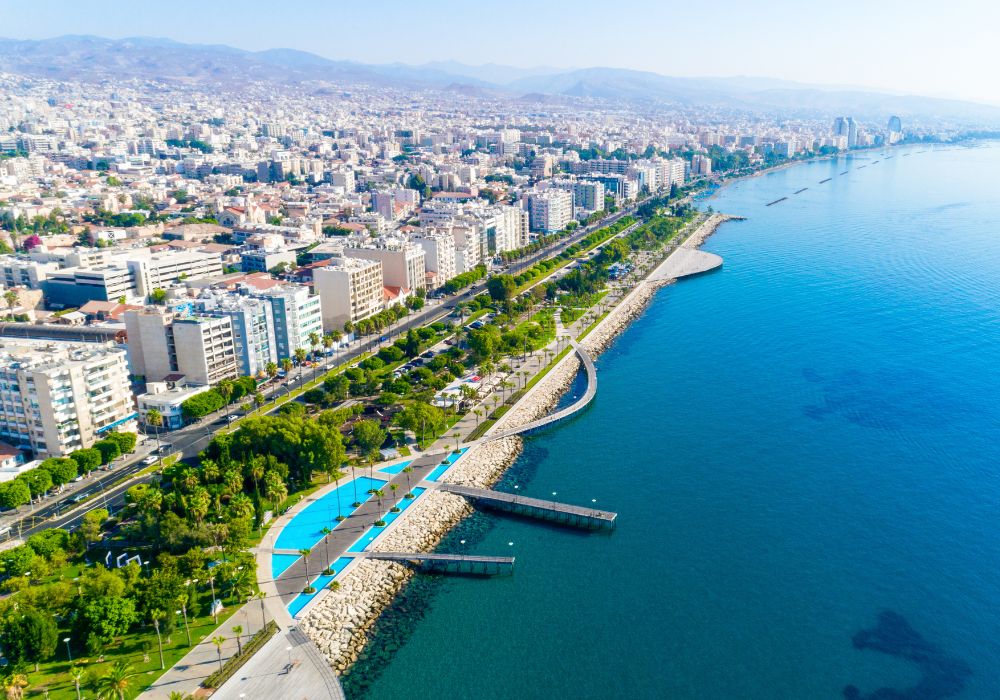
<point x="943" y="676"/>
<point x="883" y="399"/>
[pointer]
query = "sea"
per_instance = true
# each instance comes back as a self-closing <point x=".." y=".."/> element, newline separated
<point x="804" y="451"/>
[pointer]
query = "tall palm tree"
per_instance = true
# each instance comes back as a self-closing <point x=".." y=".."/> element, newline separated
<point x="326" y="545"/>
<point x="114" y="682"/>
<point x="10" y="296"/>
<point x="76" y="673"/>
<point x="305" y="559"/>
<point x="154" y="419"/>
<point x="218" y="641"/>
<point x="409" y="492"/>
<point x="238" y="630"/>
<point x="261" y="595"/>
<point x="157" y="615"/>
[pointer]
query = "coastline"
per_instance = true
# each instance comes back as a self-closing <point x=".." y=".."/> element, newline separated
<point x="339" y="623"/>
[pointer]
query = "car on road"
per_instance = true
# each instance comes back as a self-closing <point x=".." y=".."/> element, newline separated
<point x="165" y="448"/>
<point x="232" y="419"/>
<point x="149" y="460"/>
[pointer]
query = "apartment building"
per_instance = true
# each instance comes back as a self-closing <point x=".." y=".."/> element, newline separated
<point x="550" y="210"/>
<point x="162" y="343"/>
<point x="166" y="269"/>
<point x="253" y="330"/>
<point x="56" y="397"/>
<point x="350" y="289"/>
<point x="402" y="262"/>
<point x="295" y="315"/>
<point x="439" y="254"/>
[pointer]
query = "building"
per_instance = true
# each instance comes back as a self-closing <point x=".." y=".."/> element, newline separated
<point x="295" y="315"/>
<point x="349" y="289"/>
<point x="168" y="400"/>
<point x="57" y="397"/>
<point x="162" y="343"/>
<point x="895" y="129"/>
<point x="402" y="262"/>
<point x="253" y="331"/>
<point x="439" y="255"/>
<point x="701" y="164"/>
<point x="76" y="286"/>
<point x="550" y="210"/>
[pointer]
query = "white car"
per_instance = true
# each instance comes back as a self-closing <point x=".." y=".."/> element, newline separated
<point x="149" y="460"/>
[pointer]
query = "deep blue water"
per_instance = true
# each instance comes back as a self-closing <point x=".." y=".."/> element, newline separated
<point x="796" y="443"/>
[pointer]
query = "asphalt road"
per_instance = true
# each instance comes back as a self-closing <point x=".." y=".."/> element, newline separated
<point x="191" y="440"/>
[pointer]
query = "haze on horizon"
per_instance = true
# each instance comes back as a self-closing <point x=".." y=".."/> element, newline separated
<point x="920" y="47"/>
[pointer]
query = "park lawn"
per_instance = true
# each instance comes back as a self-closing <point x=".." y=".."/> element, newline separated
<point x="54" y="675"/>
<point x="545" y="320"/>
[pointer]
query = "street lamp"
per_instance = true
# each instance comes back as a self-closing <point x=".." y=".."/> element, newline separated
<point x="69" y="654"/>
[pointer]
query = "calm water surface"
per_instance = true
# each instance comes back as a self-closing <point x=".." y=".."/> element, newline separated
<point x="795" y="443"/>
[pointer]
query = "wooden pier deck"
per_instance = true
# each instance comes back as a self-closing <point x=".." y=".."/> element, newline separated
<point x="561" y="513"/>
<point x="451" y="563"/>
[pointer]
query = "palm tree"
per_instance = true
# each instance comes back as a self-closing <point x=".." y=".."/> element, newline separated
<point x="154" y="419"/>
<point x="157" y="615"/>
<point x="225" y="390"/>
<point x="271" y="370"/>
<point x="357" y="503"/>
<point x="238" y="630"/>
<point x="326" y="545"/>
<point x="10" y="296"/>
<point x="305" y="559"/>
<point x="76" y="673"/>
<point x="409" y="492"/>
<point x="218" y="641"/>
<point x="114" y="682"/>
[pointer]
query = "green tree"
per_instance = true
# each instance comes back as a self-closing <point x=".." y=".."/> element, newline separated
<point x="157" y="296"/>
<point x="39" y="481"/>
<point x="108" y="618"/>
<point x="91" y="524"/>
<point x="87" y="459"/>
<point x="110" y="450"/>
<point x="61" y="469"/>
<point x="368" y="436"/>
<point x="501" y="287"/>
<point x="14" y="494"/>
<point x="29" y="636"/>
<point x="422" y="419"/>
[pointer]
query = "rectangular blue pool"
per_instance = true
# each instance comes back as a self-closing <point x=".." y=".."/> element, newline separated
<point x="395" y="468"/>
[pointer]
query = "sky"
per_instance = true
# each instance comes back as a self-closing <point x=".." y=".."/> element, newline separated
<point x="924" y="47"/>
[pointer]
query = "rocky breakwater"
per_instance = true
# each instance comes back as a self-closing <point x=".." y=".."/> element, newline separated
<point x="339" y="622"/>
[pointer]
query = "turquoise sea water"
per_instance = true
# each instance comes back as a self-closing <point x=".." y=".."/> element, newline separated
<point x="795" y="443"/>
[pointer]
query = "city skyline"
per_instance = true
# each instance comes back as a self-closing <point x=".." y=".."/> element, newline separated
<point x="774" y="39"/>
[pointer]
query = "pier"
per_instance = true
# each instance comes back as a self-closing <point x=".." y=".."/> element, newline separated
<point x="686" y="262"/>
<point x="470" y="564"/>
<point x="560" y="513"/>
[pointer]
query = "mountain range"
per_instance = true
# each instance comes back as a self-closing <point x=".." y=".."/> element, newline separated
<point x="91" y="58"/>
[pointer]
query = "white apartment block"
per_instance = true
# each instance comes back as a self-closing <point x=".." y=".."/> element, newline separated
<point x="350" y="289"/>
<point x="439" y="254"/>
<point x="550" y="209"/>
<point x="402" y="262"/>
<point x="56" y="397"/>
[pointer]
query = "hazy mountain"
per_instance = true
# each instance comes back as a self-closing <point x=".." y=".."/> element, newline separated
<point x="97" y="58"/>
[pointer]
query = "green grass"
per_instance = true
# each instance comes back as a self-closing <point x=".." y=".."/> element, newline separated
<point x="54" y="675"/>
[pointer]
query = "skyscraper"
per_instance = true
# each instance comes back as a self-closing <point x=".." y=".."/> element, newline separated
<point x="895" y="129"/>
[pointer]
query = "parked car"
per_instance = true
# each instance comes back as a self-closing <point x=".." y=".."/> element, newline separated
<point x="149" y="460"/>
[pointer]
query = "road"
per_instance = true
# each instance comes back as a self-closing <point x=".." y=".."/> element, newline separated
<point x="189" y="441"/>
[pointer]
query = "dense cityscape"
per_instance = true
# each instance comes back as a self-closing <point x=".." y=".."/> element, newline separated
<point x="221" y="305"/>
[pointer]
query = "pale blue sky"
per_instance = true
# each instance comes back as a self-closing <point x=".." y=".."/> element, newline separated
<point x="921" y="46"/>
